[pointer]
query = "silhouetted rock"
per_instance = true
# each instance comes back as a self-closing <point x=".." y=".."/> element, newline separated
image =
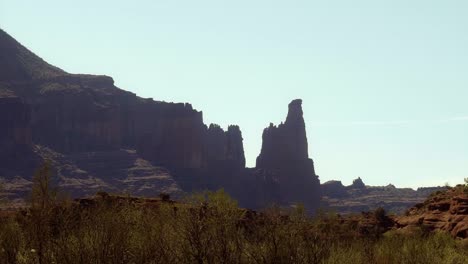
<point x="170" y="135"/>
<point x="224" y="148"/>
<point x="334" y="189"/>
<point x="358" y="184"/>
<point x="16" y="149"/>
<point x="17" y="63"/>
<point x="15" y="120"/>
<point x="286" y="142"/>
<point x="99" y="137"/>
<point x="284" y="155"/>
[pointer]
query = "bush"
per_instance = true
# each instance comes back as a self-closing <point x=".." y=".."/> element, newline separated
<point x="165" y="197"/>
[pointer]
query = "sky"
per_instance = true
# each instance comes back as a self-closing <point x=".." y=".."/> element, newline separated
<point x="384" y="83"/>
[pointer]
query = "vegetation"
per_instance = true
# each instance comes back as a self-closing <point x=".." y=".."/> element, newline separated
<point x="205" y="228"/>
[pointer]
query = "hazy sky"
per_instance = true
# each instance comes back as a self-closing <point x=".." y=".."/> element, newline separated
<point x="384" y="83"/>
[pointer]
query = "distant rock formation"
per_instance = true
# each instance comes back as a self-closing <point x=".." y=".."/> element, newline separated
<point x="358" y="197"/>
<point x="357" y="184"/>
<point x="334" y="189"/>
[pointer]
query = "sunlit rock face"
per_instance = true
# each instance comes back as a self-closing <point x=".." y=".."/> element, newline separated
<point x="285" y="155"/>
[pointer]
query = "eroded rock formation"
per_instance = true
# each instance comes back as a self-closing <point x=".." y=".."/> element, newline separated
<point x="284" y="155"/>
<point x="334" y="189"/>
<point x="286" y="142"/>
<point x="98" y="136"/>
<point x="357" y="184"/>
<point x="358" y="197"/>
<point x="443" y="210"/>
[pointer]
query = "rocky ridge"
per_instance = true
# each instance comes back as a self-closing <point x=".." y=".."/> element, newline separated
<point x="359" y="197"/>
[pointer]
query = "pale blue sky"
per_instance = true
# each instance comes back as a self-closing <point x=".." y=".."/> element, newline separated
<point x="384" y="83"/>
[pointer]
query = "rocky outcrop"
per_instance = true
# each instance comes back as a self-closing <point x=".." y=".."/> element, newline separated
<point x="334" y="189"/>
<point x="284" y="155"/>
<point x="443" y="210"/>
<point x="286" y="142"/>
<point x="357" y="184"/>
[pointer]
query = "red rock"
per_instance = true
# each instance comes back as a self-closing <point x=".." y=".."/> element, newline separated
<point x="445" y="211"/>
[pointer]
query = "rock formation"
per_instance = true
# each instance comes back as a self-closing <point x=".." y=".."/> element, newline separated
<point x="357" y="184"/>
<point x="224" y="148"/>
<point x="443" y="210"/>
<point x="286" y="142"/>
<point x="284" y="155"/>
<point x="99" y="137"/>
<point x="358" y="197"/>
<point x="334" y="189"/>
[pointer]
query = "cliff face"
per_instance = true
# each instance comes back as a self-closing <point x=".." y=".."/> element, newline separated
<point x="15" y="117"/>
<point x="170" y="134"/>
<point x="224" y="148"/>
<point x="16" y="155"/>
